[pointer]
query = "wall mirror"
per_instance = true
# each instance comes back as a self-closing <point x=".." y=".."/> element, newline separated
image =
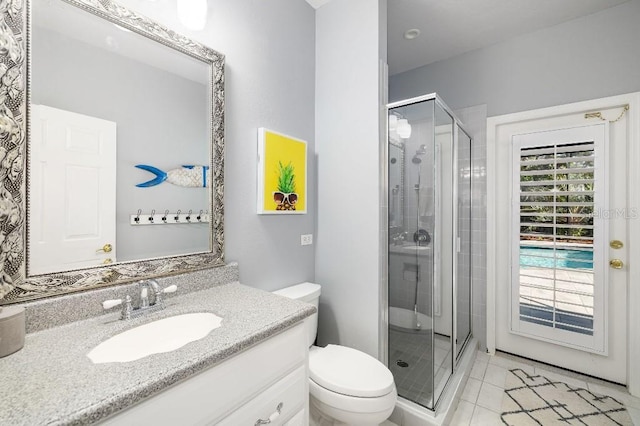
<point x="111" y="149"/>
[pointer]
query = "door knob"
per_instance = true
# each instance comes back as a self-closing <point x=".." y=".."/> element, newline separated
<point x="105" y="248"/>
<point x="616" y="244"/>
<point x="616" y="263"/>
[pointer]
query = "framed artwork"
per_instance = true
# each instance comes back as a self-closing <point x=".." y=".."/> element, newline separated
<point x="282" y="173"/>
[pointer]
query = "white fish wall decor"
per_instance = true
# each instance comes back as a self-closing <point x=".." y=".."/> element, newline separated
<point x="192" y="176"/>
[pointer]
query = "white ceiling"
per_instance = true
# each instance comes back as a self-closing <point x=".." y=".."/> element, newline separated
<point x="452" y="27"/>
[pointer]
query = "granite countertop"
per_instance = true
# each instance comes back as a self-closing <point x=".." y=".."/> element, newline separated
<point x="52" y="381"/>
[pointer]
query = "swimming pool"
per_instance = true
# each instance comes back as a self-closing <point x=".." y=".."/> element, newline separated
<point x="543" y="257"/>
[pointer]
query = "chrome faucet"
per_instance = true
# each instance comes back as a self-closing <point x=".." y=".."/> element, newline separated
<point x="128" y="311"/>
<point x="400" y="238"/>
<point x="150" y="285"/>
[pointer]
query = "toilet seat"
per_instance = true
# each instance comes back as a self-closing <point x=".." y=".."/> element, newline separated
<point x="330" y="401"/>
<point x="349" y="372"/>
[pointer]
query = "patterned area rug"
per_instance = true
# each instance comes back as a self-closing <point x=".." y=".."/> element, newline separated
<point x="536" y="400"/>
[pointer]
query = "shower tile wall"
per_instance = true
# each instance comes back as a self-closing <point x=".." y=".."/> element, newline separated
<point x="401" y="291"/>
<point x="403" y="269"/>
<point x="421" y="134"/>
<point x="463" y="296"/>
<point x="475" y="122"/>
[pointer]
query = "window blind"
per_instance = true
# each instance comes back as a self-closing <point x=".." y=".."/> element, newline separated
<point x="557" y="185"/>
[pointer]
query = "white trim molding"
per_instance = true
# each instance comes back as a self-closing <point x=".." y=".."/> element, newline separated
<point x="633" y="159"/>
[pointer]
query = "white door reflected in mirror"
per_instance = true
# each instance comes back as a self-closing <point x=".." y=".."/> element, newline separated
<point x="73" y="172"/>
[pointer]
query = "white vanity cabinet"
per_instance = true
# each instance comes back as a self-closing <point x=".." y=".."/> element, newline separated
<point x="250" y="388"/>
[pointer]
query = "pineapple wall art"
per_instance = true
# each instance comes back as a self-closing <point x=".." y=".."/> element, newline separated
<point x="282" y="173"/>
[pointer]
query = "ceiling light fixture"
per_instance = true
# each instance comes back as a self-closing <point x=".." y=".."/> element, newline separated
<point x="193" y="13"/>
<point x="411" y="34"/>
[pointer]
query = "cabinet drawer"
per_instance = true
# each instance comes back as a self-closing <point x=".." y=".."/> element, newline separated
<point x="289" y="395"/>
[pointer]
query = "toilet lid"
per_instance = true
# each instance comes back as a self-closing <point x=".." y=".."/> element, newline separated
<point x="349" y="372"/>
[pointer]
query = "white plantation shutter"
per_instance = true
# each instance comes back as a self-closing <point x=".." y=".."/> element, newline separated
<point x="558" y="182"/>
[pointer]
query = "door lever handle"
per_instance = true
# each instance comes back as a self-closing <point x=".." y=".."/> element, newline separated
<point x="105" y="248"/>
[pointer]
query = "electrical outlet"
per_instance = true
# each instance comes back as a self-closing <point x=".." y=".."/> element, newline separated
<point x="306" y="239"/>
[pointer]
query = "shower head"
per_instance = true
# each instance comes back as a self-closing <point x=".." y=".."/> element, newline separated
<point x="419" y="153"/>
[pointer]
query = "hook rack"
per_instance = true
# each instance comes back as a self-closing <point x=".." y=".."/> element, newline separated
<point x="168" y="218"/>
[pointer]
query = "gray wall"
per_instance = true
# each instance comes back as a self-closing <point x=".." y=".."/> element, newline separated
<point x="270" y="71"/>
<point x="348" y="94"/>
<point x="161" y="120"/>
<point x="590" y="57"/>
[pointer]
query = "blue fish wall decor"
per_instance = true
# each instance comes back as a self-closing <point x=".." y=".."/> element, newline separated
<point x="191" y="176"/>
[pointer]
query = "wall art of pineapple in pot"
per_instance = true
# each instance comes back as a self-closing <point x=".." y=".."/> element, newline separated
<point x="285" y="196"/>
<point x="282" y="174"/>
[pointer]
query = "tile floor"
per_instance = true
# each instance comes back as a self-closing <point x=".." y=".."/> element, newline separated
<point x="481" y="400"/>
<point x="415" y="380"/>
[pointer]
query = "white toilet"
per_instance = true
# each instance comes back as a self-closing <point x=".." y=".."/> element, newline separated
<point x="346" y="386"/>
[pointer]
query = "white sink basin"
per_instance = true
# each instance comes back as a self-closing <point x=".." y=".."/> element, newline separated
<point x="160" y="336"/>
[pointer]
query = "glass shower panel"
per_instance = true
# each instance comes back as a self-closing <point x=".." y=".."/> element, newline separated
<point x="429" y="253"/>
<point x="443" y="250"/>
<point x="463" y="267"/>
<point x="411" y="255"/>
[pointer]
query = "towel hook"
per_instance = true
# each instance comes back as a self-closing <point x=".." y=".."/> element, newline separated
<point x="137" y="218"/>
<point x="153" y="212"/>
<point x="189" y="216"/>
<point x="164" y="218"/>
<point x="177" y="216"/>
<point x="199" y="217"/>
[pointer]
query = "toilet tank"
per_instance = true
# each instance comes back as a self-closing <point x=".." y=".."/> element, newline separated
<point x="305" y="292"/>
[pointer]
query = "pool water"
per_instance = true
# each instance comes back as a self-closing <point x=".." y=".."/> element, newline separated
<point x="562" y="258"/>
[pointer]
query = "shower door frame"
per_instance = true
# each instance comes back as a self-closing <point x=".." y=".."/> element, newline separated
<point x="384" y="302"/>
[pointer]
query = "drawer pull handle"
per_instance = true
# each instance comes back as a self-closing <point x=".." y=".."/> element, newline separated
<point x="272" y="417"/>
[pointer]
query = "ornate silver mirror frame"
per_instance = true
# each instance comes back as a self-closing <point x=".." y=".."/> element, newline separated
<point x="15" y="285"/>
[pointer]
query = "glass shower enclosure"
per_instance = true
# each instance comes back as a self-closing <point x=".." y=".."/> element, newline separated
<point x="429" y="246"/>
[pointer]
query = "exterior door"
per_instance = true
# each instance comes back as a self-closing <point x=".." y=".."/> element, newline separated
<point x="72" y="223"/>
<point x="561" y="205"/>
